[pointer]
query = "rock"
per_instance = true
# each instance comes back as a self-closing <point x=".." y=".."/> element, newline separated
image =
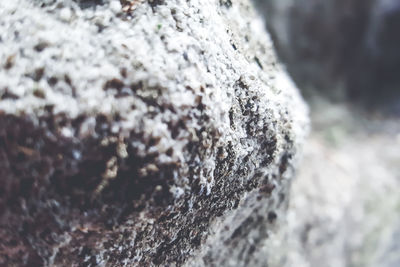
<point x="344" y="205"/>
<point x="347" y="47"/>
<point x="162" y="134"/>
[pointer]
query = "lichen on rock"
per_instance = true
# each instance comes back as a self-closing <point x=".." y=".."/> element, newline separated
<point x="161" y="134"/>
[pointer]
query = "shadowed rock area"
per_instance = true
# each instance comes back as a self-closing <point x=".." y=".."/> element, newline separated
<point x="142" y="133"/>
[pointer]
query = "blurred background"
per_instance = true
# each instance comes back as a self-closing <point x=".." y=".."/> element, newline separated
<point x="344" y="56"/>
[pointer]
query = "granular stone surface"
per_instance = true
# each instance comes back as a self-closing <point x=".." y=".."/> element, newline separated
<point x="142" y="133"/>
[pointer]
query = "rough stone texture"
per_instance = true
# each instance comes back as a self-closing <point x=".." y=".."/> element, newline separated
<point x="148" y="133"/>
<point x="339" y="46"/>
<point x="345" y="203"/>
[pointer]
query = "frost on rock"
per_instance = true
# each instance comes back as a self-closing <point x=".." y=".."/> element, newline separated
<point x="142" y="133"/>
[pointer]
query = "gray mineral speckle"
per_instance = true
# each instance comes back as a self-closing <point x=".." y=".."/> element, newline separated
<point x="148" y="133"/>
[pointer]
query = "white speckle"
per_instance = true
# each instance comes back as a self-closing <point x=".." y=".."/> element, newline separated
<point x="67" y="132"/>
<point x="177" y="191"/>
<point x="121" y="150"/>
<point x="88" y="127"/>
<point x="115" y="6"/>
<point x="65" y="14"/>
<point x="77" y="154"/>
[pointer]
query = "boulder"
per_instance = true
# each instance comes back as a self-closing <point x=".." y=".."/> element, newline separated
<point x="142" y="133"/>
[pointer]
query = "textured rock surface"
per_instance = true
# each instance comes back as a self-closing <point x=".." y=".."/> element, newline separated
<point x="164" y="134"/>
<point x="339" y="46"/>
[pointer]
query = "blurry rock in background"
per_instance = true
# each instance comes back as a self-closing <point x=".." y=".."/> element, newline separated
<point x="346" y="48"/>
<point x="344" y="208"/>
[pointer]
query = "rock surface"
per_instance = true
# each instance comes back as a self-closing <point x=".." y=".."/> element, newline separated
<point x="341" y="47"/>
<point x="141" y="134"/>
